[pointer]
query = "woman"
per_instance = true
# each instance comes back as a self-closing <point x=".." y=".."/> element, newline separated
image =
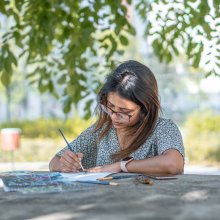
<point x="129" y="135"/>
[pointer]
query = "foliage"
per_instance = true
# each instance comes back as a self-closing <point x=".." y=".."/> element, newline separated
<point x="68" y="44"/>
<point x="62" y="41"/>
<point x="202" y="131"/>
<point x="186" y="26"/>
<point x="48" y="128"/>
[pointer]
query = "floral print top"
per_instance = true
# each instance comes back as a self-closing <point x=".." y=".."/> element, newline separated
<point x="165" y="135"/>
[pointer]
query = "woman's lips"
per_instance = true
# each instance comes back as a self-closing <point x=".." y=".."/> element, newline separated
<point x="116" y="123"/>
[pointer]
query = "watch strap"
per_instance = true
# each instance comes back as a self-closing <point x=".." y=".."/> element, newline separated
<point x="123" y="165"/>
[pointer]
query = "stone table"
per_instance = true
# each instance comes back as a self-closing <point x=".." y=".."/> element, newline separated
<point x="188" y="197"/>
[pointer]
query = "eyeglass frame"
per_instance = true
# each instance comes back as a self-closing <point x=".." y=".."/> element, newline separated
<point x="104" y="108"/>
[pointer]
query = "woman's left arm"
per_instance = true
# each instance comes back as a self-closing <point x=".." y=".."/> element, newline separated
<point x="170" y="152"/>
<point x="169" y="158"/>
<point x="170" y="162"/>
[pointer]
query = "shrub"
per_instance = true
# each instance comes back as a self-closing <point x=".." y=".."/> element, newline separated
<point x="201" y="136"/>
<point x="48" y="128"/>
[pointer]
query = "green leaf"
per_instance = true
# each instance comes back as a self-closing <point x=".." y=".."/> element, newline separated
<point x="131" y="29"/>
<point x="43" y="87"/>
<point x="51" y="86"/>
<point x="62" y="80"/>
<point x="87" y="107"/>
<point x="156" y="47"/>
<point x="3" y="5"/>
<point x="7" y="65"/>
<point x="67" y="105"/>
<point x="196" y="60"/>
<point x="124" y="41"/>
<point x="168" y="58"/>
<point x="13" y="59"/>
<point x="5" y="79"/>
<point x="175" y="50"/>
<point x="208" y="74"/>
<point x="30" y="75"/>
<point x="218" y="64"/>
<point x="6" y="35"/>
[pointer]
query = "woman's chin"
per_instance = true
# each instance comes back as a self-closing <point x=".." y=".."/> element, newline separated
<point x="117" y="125"/>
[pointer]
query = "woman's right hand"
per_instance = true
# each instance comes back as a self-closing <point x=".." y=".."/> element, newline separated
<point x="70" y="162"/>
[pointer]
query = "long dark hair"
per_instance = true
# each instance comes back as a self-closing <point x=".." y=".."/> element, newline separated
<point x="135" y="82"/>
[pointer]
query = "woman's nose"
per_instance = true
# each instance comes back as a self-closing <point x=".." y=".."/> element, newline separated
<point x="113" y="116"/>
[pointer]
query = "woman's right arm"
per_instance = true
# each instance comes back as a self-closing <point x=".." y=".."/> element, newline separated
<point x="84" y="148"/>
<point x="54" y="164"/>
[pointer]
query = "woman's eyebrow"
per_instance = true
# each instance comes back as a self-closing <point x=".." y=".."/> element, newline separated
<point x="125" y="109"/>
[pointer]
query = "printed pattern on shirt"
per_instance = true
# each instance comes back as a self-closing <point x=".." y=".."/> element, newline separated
<point x="166" y="135"/>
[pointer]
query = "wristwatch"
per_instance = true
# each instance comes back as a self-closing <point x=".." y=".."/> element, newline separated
<point x="124" y="162"/>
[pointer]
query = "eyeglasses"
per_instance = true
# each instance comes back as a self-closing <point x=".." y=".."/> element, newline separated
<point x="123" y="117"/>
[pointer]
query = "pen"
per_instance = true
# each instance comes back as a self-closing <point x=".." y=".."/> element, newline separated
<point x="117" y="177"/>
<point x="80" y="163"/>
<point x="97" y="182"/>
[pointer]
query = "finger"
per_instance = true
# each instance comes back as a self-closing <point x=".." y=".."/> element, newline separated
<point x="70" y="163"/>
<point x="66" y="164"/>
<point x="71" y="160"/>
<point x="72" y="155"/>
<point x="95" y="169"/>
<point x="68" y="170"/>
<point x="65" y="170"/>
<point x="67" y="159"/>
<point x="79" y="155"/>
<point x="77" y="165"/>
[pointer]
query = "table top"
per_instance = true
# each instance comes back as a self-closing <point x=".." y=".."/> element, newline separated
<point x="187" y="197"/>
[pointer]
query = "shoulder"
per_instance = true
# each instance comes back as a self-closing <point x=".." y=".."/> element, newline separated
<point x="166" y="127"/>
<point x="168" y="136"/>
<point x="165" y="124"/>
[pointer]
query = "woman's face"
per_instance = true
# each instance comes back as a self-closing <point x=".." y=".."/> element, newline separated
<point x="123" y="112"/>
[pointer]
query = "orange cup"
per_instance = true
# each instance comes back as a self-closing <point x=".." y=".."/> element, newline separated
<point x="10" y="139"/>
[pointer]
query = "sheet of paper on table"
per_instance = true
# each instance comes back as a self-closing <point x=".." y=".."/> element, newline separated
<point x="84" y="176"/>
<point x="41" y="182"/>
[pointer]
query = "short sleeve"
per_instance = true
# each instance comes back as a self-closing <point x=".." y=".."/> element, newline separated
<point x="85" y="143"/>
<point x="168" y="136"/>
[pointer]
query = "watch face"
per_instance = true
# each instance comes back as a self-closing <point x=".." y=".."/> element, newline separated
<point x="127" y="158"/>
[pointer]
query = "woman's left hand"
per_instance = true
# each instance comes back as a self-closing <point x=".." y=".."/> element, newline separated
<point x="114" y="168"/>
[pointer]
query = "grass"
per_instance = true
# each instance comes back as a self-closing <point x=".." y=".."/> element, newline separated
<point x="34" y="150"/>
<point x="40" y="139"/>
<point x="43" y="149"/>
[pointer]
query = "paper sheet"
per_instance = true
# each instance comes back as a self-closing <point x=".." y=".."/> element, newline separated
<point x="43" y="182"/>
<point x="84" y="176"/>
